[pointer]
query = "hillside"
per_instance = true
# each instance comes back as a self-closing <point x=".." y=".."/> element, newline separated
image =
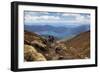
<point x="79" y="45"/>
<point x="40" y="48"/>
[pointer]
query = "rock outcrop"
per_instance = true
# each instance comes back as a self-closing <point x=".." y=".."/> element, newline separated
<point x="31" y="54"/>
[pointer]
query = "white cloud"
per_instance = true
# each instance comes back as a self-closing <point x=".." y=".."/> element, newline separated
<point x="70" y="14"/>
<point x="49" y="17"/>
<point x="78" y="18"/>
<point x="46" y="18"/>
<point x="82" y="19"/>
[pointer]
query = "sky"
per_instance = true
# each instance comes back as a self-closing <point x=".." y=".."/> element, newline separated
<point x="33" y="17"/>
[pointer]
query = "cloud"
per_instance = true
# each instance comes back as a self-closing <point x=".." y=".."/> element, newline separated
<point x="82" y="19"/>
<point x="49" y="17"/>
<point x="78" y="18"/>
<point x="45" y="18"/>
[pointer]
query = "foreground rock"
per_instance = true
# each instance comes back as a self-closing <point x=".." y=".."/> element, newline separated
<point x="31" y="54"/>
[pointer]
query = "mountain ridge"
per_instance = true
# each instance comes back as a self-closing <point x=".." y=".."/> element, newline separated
<point x="56" y="31"/>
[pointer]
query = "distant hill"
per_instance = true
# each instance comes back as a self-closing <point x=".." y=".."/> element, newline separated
<point x="59" y="32"/>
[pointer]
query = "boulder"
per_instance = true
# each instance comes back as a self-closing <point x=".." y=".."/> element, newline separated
<point x="31" y="54"/>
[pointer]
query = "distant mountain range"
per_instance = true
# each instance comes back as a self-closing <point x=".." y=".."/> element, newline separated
<point x="57" y="31"/>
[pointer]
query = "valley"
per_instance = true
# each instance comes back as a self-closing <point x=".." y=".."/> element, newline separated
<point x="40" y="48"/>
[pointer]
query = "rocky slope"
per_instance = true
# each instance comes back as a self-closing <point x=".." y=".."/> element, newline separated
<point x="79" y="45"/>
<point x="38" y="48"/>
